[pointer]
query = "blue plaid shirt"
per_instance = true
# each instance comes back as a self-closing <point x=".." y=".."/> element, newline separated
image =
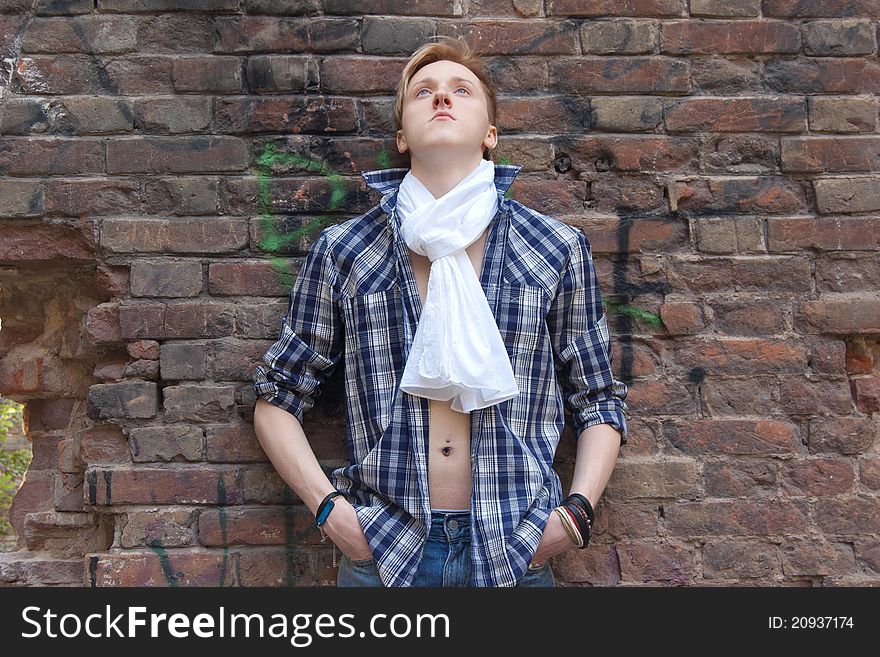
<point x="356" y="299"/>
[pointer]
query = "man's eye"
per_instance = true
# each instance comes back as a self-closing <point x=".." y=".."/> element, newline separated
<point x="463" y="89"/>
<point x="419" y="92"/>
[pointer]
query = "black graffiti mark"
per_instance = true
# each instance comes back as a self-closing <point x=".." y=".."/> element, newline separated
<point x="92" y="478"/>
<point x="108" y="478"/>
<point x="93" y="571"/>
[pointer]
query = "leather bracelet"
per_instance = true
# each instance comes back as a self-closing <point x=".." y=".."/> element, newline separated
<point x="580" y="517"/>
<point x="587" y="506"/>
<point x="325" y="507"/>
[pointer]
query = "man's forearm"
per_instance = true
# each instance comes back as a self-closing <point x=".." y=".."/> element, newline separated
<point x="286" y="445"/>
<point x="597" y="450"/>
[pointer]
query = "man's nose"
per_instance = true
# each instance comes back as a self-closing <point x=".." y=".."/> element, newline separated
<point x="442" y="96"/>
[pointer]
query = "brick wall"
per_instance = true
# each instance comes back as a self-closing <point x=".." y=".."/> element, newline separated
<point x="163" y="172"/>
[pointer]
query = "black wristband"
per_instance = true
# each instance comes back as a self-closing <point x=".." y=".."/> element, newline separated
<point x="325" y="507"/>
<point x="587" y="506"/>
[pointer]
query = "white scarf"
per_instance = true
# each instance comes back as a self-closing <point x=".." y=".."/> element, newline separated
<point x="457" y="351"/>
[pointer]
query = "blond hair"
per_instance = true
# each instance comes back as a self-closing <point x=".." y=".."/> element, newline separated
<point x="454" y="50"/>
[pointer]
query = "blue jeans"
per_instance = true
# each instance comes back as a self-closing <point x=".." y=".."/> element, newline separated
<point x="446" y="560"/>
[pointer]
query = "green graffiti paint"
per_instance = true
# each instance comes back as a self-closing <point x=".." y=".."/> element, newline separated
<point x="632" y="311"/>
<point x="171" y="576"/>
<point x="272" y="240"/>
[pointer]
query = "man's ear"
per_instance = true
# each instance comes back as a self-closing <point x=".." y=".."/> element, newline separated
<point x="401" y="142"/>
<point x="491" y="140"/>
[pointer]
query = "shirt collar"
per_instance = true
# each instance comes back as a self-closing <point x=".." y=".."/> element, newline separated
<point x="386" y="181"/>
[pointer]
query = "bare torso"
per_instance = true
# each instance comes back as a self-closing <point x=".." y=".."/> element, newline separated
<point x="449" y="432"/>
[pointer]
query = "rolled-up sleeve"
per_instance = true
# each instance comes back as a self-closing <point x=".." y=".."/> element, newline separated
<point x="309" y="346"/>
<point x="582" y="347"/>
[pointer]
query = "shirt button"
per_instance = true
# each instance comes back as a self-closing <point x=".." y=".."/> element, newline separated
<point x="453" y="524"/>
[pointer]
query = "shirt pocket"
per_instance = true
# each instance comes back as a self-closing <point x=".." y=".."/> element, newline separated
<point x="522" y="320"/>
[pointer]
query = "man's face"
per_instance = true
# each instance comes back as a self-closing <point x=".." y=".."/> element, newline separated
<point x="445" y="108"/>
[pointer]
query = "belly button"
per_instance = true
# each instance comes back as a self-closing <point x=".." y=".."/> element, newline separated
<point x="447" y="451"/>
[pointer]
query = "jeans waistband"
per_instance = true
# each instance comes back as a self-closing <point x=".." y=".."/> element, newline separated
<point x="450" y="525"/>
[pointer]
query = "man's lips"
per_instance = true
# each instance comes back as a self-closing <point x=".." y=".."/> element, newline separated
<point x="442" y="115"/>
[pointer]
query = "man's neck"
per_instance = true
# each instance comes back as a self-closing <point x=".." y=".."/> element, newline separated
<point x="439" y="177"/>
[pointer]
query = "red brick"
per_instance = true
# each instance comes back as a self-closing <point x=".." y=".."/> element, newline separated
<point x="860" y="356"/>
<point x="730" y="234"/>
<point x="747" y="437"/>
<point x="846" y="115"/>
<point x="647" y="235"/>
<point x="820" y="9"/>
<point x="849" y="516"/>
<point x="168" y="485"/>
<point x="760" y="517"/>
<point x="293" y="195"/>
<point x="817" y="476"/>
<point x="185" y="235"/>
<point x="89" y="34"/>
<point x="749" y="316"/>
<point x="758" y="395"/>
<point x="640" y="8"/>
<point x="848" y="195"/>
<point x="176" y="154"/>
<point x="809" y="557"/>
<point x="280" y="567"/>
<point x="104" y="444"/>
<point x="635" y="153"/>
<point x="595" y="566"/>
<point x="44" y="243"/>
<point x="828" y="357"/>
<point x="199" y="320"/>
<point x="126" y="399"/>
<point x="729" y="37"/>
<point x="169" y="442"/>
<point x="148" y="349"/>
<point x="161" y="567"/>
<point x="739" y="560"/>
<point x="88" y="74"/>
<point x="736" y="114"/>
<point x="198" y="403"/>
<point x="142" y="320"/>
<point x="68" y="533"/>
<point x="259" y="278"/>
<point x="230" y="359"/>
<point x="838" y="38"/>
<point x="869" y="469"/>
<point x="847" y="273"/>
<point x="213" y="72"/>
<point x="720" y="8"/>
<point x="637" y="75"/>
<point x="842" y="435"/>
<point x="40" y="156"/>
<point x="233" y="443"/>
<point x="670" y="563"/>
<point x="39" y="569"/>
<point x="92" y="197"/>
<point x="742" y="356"/>
<point x="681" y="318"/>
<point x="282" y="34"/>
<point x="661" y="398"/>
<point x="503" y="37"/>
<point x="291" y="525"/>
<point x="260" y="321"/>
<point x="262" y="484"/>
<point x="739" y="478"/>
<point x="867" y="394"/>
<point x="157" y="527"/>
<point x="668" y="478"/>
<point x="252" y="115"/>
<point x="823" y="75"/>
<point x="737" y="195"/>
<point x="790" y="274"/>
<point x="838" y="154"/>
<point x="34" y="494"/>
<point x="642" y="359"/>
<point x="846" y="314"/>
<point x="818" y="397"/>
<point x="824" y="233"/>
<point x="542" y="114"/>
<point x="351" y="75"/>
<point x="626" y="520"/>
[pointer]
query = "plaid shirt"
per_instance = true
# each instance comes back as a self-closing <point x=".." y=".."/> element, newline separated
<point x="356" y="299"/>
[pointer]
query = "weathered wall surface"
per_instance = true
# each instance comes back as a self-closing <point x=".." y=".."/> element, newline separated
<point x="162" y="173"/>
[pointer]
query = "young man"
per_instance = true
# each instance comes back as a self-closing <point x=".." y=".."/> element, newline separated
<point x="466" y="322"/>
